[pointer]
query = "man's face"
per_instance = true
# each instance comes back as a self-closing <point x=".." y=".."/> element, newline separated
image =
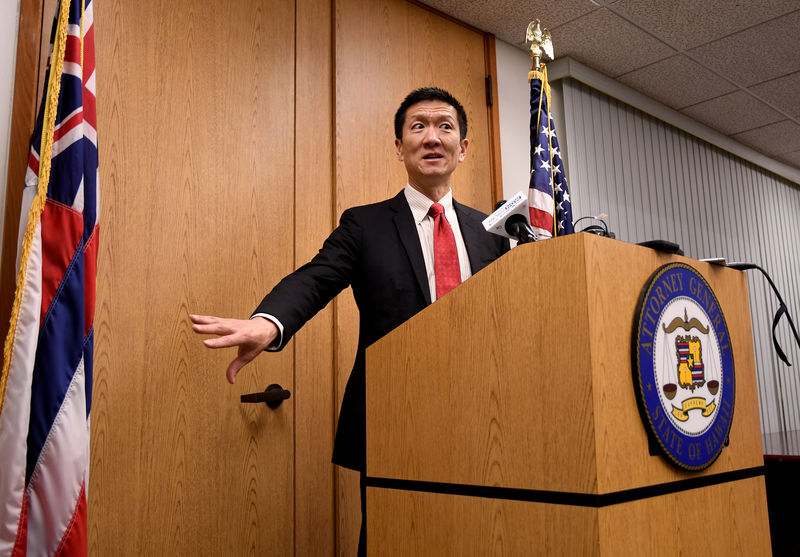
<point x="431" y="147"/>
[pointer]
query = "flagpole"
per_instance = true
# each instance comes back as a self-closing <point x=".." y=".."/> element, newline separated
<point x="548" y="196"/>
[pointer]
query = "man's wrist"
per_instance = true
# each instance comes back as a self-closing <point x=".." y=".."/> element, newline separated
<point x="275" y="345"/>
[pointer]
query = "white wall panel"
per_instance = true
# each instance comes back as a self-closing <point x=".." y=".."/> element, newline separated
<point x="657" y="181"/>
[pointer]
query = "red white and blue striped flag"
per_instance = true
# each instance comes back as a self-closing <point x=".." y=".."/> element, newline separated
<point x="46" y="381"/>
<point x="548" y="196"/>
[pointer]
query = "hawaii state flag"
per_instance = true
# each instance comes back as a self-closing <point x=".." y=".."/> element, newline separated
<point x="548" y="195"/>
<point x="46" y="381"/>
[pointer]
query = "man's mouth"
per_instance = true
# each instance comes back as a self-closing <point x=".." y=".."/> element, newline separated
<point x="432" y="156"/>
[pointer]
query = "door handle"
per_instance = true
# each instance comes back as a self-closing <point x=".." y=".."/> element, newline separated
<point x="272" y="396"/>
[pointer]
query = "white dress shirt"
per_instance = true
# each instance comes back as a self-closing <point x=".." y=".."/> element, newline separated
<point x="420" y="205"/>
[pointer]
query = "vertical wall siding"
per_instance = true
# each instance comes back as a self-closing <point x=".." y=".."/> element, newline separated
<point x="655" y="181"/>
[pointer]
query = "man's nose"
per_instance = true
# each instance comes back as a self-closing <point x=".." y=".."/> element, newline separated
<point x="431" y="136"/>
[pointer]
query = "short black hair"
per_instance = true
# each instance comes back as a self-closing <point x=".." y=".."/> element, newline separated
<point x="429" y="94"/>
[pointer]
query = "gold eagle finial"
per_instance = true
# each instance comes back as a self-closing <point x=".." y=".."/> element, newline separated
<point x="541" y="44"/>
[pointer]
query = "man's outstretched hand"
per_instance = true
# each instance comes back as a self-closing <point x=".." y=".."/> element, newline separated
<point x="252" y="336"/>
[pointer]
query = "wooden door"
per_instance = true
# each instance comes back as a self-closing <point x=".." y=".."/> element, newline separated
<point x="196" y="135"/>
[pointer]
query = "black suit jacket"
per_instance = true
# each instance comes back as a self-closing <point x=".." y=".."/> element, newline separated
<point x="376" y="250"/>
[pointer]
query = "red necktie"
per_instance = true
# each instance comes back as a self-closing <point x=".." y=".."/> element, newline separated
<point x="445" y="254"/>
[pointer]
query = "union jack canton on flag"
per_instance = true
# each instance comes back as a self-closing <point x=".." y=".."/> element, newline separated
<point x="548" y="195"/>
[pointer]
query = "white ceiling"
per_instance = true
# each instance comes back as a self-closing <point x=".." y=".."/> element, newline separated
<point x="733" y="65"/>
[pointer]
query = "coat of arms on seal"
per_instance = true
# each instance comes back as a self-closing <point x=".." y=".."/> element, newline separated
<point x="683" y="366"/>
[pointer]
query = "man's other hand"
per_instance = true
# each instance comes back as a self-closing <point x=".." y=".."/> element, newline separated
<point x="252" y="336"/>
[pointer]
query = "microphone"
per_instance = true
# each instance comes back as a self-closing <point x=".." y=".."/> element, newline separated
<point x="511" y="219"/>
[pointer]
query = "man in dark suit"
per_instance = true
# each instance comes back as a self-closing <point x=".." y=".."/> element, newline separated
<point x="398" y="255"/>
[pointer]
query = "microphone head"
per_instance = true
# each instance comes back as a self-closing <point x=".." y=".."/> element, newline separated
<point x="516" y="206"/>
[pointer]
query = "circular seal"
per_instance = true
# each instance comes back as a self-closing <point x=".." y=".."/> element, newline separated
<point x="683" y="366"/>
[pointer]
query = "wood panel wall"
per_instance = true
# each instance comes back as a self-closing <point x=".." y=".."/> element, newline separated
<point x="314" y="403"/>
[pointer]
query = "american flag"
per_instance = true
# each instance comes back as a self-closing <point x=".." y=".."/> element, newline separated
<point x="46" y="381"/>
<point x="548" y="195"/>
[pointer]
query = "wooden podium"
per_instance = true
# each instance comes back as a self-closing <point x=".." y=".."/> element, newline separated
<point x="502" y="419"/>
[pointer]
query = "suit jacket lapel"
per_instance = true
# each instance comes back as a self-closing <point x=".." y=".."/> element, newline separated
<point x="406" y="229"/>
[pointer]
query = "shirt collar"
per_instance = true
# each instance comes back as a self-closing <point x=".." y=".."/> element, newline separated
<point x="420" y="203"/>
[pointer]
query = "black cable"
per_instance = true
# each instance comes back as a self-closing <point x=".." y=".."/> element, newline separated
<point x="782" y="310"/>
<point x="594" y="228"/>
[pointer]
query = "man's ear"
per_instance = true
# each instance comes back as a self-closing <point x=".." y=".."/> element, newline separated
<point x="398" y="147"/>
<point x="462" y="154"/>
